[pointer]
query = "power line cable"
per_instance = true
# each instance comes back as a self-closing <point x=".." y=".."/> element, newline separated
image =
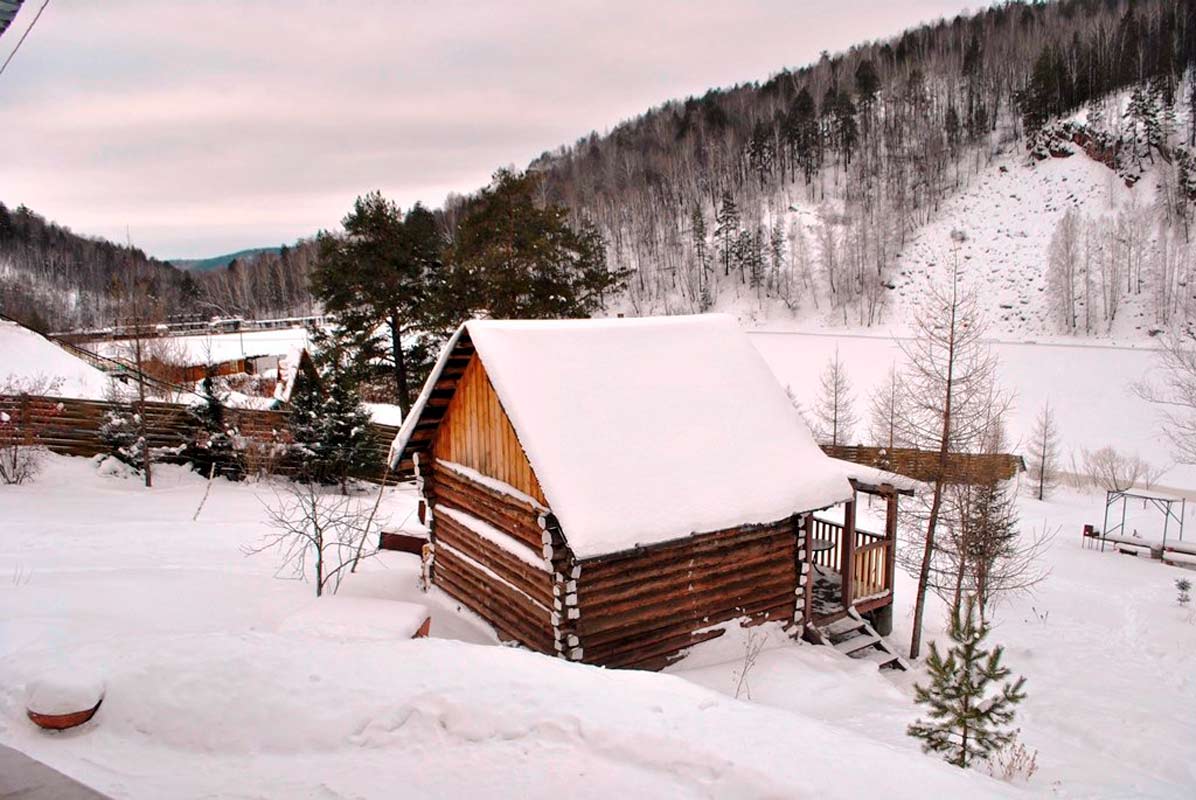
<point x="21" y="41"/>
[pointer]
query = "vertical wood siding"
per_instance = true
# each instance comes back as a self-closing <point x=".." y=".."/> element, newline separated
<point x="476" y="433"/>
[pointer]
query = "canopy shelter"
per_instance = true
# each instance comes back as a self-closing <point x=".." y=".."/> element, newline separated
<point x="1163" y="503"/>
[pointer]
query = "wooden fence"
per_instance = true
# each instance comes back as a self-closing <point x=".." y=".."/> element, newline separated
<point x="71" y="426"/>
<point x="923" y="465"/>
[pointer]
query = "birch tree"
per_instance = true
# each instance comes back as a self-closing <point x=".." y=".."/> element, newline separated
<point x="1063" y="267"/>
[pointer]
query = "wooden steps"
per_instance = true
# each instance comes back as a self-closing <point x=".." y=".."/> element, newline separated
<point x="854" y="637"/>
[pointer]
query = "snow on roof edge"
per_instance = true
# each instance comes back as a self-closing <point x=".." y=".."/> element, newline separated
<point x="417" y="408"/>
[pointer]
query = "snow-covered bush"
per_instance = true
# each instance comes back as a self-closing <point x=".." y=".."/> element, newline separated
<point x="215" y="447"/>
<point x="1183" y="588"/>
<point x="121" y="433"/>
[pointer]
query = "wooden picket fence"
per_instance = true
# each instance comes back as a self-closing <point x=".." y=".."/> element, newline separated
<point x="71" y="426"/>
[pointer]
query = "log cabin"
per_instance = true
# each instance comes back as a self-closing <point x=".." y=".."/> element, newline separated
<point x="615" y="491"/>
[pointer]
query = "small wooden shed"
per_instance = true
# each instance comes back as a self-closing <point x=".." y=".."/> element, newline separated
<point x="614" y="491"/>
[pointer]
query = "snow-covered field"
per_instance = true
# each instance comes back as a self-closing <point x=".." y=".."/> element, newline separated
<point x="217" y="347"/>
<point x="218" y="687"/>
<point x="1089" y="385"/>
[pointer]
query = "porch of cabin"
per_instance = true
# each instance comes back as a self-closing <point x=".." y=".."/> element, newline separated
<point x="867" y="586"/>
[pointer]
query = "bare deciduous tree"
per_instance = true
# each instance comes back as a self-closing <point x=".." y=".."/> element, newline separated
<point x="984" y="552"/>
<point x="886" y="412"/>
<point x="1114" y="471"/>
<point x="315" y="530"/>
<point x="950" y="380"/>
<point x="1043" y="449"/>
<point x="21" y="450"/>
<point x="1175" y="393"/>
<point x="1063" y="268"/>
<point x="834" y="411"/>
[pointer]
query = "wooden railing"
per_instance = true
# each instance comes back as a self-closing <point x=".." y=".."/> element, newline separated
<point x="870" y="562"/>
<point x="871" y="573"/>
<point x="830" y="558"/>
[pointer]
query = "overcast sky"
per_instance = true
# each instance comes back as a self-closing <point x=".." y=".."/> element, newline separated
<point x="207" y="126"/>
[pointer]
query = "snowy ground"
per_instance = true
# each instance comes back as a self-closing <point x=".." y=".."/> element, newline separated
<point x="1089" y="384"/>
<point x="218" y="347"/>
<point x="217" y="687"/>
<point x="28" y="360"/>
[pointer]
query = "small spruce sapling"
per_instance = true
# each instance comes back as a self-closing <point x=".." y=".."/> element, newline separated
<point x="121" y="431"/>
<point x="214" y="448"/>
<point x="328" y="421"/>
<point x="1184" y="588"/>
<point x="967" y="715"/>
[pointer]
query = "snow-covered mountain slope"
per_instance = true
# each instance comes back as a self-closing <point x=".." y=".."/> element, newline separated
<point x="1000" y="227"/>
<point x="30" y="362"/>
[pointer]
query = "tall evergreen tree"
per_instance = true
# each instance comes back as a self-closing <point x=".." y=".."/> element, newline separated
<point x="513" y="256"/>
<point x="967" y="713"/>
<point x="726" y="230"/>
<point x="329" y="424"/>
<point x="383" y="271"/>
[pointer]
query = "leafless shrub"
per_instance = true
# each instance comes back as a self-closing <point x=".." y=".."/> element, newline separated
<point x="262" y="456"/>
<point x="1013" y="762"/>
<point x="314" y="530"/>
<point x="21" y="451"/>
<point x="753" y="645"/>
<point x="1114" y="471"/>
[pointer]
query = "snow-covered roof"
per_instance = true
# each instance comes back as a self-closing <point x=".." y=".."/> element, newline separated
<point x="871" y="476"/>
<point x="642" y="431"/>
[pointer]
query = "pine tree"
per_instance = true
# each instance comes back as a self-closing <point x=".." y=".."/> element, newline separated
<point x="1044" y="452"/>
<point x="515" y="257"/>
<point x="967" y="713"/>
<point x="702" y="256"/>
<point x="213" y="450"/>
<point x="328" y="422"/>
<point x="726" y="231"/>
<point x="387" y="270"/>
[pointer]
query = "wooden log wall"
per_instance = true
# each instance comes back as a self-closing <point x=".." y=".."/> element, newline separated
<point x="71" y="426"/>
<point x="477" y="433"/>
<point x="514" y="597"/>
<point x="644" y="608"/>
<point x="923" y="465"/>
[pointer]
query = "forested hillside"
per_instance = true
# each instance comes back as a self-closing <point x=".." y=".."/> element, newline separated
<point x="813" y="181"/>
<point x="808" y="194"/>
<point x="52" y="278"/>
